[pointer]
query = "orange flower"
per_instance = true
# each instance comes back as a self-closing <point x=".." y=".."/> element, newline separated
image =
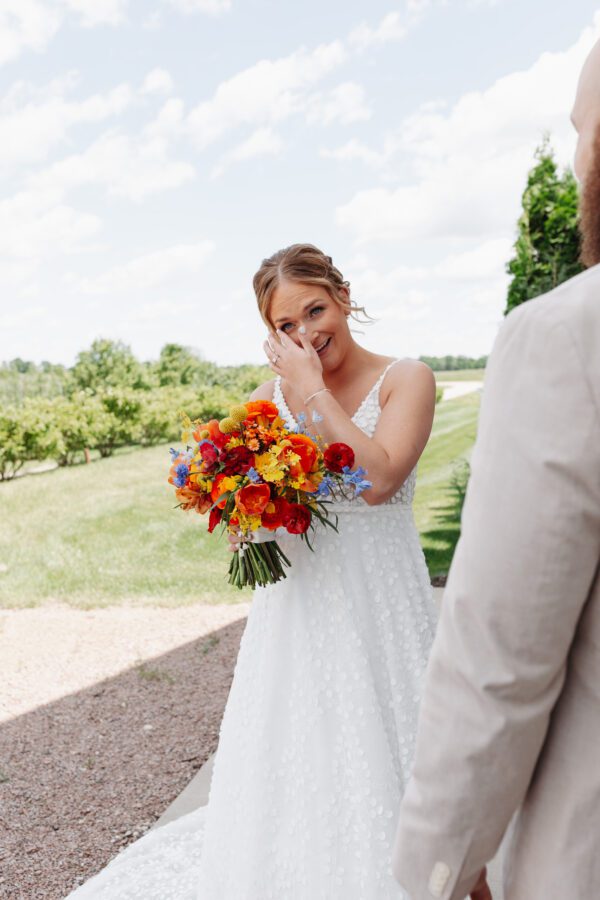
<point x="252" y="499"/>
<point x="192" y="497"/>
<point x="221" y="485"/>
<point x="263" y="412"/>
<point x="306" y="449"/>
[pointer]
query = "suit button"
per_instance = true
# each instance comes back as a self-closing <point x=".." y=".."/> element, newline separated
<point x="440" y="875"/>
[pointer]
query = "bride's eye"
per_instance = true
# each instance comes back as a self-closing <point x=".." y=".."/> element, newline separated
<point x="286" y="326"/>
<point x="316" y="309"/>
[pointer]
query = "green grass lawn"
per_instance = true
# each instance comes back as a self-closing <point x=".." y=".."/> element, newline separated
<point x="107" y="533"/>
<point x="436" y="503"/>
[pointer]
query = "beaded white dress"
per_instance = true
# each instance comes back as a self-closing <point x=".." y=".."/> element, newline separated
<point x="317" y="736"/>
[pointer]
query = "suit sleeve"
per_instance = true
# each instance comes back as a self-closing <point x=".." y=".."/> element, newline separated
<point x="522" y="572"/>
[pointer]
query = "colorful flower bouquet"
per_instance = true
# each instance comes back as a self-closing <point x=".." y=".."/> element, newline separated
<point x="253" y="475"/>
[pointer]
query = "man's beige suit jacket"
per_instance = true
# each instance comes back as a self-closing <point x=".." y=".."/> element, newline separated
<point x="510" y="718"/>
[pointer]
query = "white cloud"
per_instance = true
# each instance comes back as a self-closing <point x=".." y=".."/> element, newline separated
<point x="391" y="28"/>
<point x="32" y="24"/>
<point x="481" y="263"/>
<point x="98" y="12"/>
<point x="22" y="318"/>
<point x="265" y="93"/>
<point x="35" y="125"/>
<point x="345" y="103"/>
<point x="36" y="225"/>
<point x="354" y="150"/>
<point x="152" y="269"/>
<point x="470" y="161"/>
<point x="127" y="166"/>
<point x="210" y="7"/>
<point x="262" y="142"/>
<point x="158" y="81"/>
<point x="26" y="24"/>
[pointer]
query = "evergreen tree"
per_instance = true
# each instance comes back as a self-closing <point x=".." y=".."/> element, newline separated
<point x="548" y="244"/>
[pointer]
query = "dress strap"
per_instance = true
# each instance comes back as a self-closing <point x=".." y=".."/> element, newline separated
<point x="379" y="381"/>
<point x="281" y="403"/>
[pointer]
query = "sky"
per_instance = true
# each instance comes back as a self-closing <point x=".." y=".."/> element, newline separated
<point x="153" y="152"/>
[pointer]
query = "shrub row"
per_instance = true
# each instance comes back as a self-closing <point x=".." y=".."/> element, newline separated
<point x="62" y="429"/>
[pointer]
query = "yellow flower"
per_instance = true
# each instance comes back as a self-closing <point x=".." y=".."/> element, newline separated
<point x="238" y="414"/>
<point x="227" y="425"/>
<point x="247" y="523"/>
<point x="269" y="466"/>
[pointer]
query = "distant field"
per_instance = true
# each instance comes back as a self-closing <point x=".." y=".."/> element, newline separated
<point x="461" y="375"/>
<point x="107" y="533"/>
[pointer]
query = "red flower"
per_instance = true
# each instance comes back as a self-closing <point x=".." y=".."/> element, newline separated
<point x="296" y="518"/>
<point x="273" y="513"/>
<point x="252" y="499"/>
<point x="209" y="454"/>
<point x="236" y="461"/>
<point x="337" y="456"/>
<point x="214" y="518"/>
<point x="216" y="435"/>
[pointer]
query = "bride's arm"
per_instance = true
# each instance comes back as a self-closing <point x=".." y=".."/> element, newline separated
<point x="403" y="429"/>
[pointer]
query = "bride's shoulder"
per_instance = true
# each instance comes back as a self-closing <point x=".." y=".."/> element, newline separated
<point x="263" y="391"/>
<point x="409" y="376"/>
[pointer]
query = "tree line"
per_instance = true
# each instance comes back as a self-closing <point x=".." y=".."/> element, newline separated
<point x="109" y="399"/>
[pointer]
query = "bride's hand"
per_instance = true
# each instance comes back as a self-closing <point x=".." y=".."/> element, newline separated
<point x="236" y="541"/>
<point x="299" y="366"/>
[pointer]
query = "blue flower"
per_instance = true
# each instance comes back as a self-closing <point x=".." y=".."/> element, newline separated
<point x="253" y="475"/>
<point x="326" y="487"/>
<point x="174" y="453"/>
<point x="316" y="417"/>
<point x="356" y="479"/>
<point x="181" y="474"/>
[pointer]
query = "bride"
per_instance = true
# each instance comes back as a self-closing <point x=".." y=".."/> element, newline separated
<point x="317" y="736"/>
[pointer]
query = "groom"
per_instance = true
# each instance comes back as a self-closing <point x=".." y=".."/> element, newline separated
<point x="510" y="719"/>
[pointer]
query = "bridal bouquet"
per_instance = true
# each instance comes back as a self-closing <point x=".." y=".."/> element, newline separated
<point x="253" y="475"/>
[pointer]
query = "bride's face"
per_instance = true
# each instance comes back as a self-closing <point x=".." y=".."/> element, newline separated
<point x="295" y="305"/>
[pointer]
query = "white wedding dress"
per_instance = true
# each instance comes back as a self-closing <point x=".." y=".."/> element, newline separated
<point x="318" y="733"/>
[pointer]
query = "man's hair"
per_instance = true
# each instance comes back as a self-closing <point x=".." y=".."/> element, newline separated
<point x="589" y="208"/>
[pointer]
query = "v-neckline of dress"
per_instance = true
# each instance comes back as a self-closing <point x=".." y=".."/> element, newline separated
<point x="293" y="419"/>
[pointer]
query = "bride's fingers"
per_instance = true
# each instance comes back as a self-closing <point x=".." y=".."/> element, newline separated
<point x="272" y="355"/>
<point x="284" y="340"/>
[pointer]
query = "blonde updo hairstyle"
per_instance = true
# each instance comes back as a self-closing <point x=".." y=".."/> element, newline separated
<point x="305" y="264"/>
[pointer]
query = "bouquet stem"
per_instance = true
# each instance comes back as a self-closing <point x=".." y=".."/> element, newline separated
<point x="258" y="564"/>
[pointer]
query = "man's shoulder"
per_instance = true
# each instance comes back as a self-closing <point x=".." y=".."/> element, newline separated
<point x="574" y="303"/>
<point x="542" y="329"/>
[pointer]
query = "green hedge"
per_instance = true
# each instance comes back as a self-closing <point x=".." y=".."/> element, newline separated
<point x="61" y="429"/>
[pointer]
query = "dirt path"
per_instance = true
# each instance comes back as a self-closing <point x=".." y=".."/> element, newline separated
<point x="454" y="389"/>
<point x="105" y="715"/>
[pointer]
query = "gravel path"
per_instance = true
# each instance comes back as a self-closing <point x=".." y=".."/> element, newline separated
<point x="105" y="715"/>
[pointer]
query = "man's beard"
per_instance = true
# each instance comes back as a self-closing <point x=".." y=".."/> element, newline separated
<point x="589" y="209"/>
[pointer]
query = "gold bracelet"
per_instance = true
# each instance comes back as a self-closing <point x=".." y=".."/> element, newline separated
<point x="320" y="391"/>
